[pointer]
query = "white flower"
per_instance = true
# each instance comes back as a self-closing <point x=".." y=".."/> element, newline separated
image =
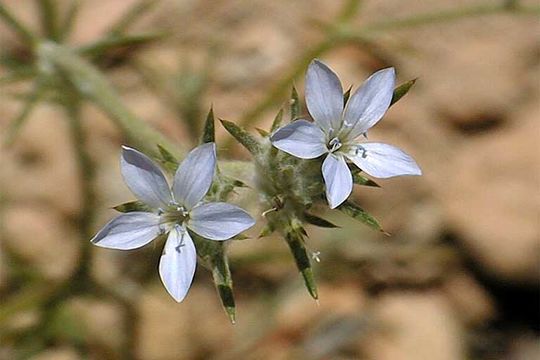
<point x="174" y="210"/>
<point x="336" y="129"/>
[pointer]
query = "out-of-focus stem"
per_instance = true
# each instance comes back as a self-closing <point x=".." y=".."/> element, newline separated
<point x="49" y="18"/>
<point x="93" y="86"/>
<point x="25" y="34"/>
<point x="342" y="34"/>
<point x="86" y="171"/>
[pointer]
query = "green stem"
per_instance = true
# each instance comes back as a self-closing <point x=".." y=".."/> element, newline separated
<point x="49" y="18"/>
<point x="340" y="35"/>
<point x="93" y="86"/>
<point x="86" y="169"/>
<point x="449" y="15"/>
<point x="25" y="34"/>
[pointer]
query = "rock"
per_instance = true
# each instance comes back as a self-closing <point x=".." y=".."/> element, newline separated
<point x="473" y="303"/>
<point x="163" y="328"/>
<point x="297" y="310"/>
<point x="489" y="199"/>
<point x="40" y="236"/>
<point x="414" y="326"/>
<point x="41" y="164"/>
<point x="101" y="321"/>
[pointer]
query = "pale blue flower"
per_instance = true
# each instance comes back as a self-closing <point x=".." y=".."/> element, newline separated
<point x="336" y="128"/>
<point x="173" y="212"/>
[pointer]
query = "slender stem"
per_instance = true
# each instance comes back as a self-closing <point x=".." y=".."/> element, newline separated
<point x="66" y="27"/>
<point x="132" y="15"/>
<point x="449" y="15"/>
<point x="340" y="35"/>
<point x="25" y="34"/>
<point x="86" y="171"/>
<point x="49" y="18"/>
<point x="93" y="86"/>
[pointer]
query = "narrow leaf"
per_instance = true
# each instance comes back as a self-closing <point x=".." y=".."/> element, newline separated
<point x="212" y="255"/>
<point x="48" y="12"/>
<point x="18" y="27"/>
<point x="277" y="121"/>
<point x="222" y="277"/>
<point x="133" y="14"/>
<point x="295" y="104"/>
<point x="356" y="212"/>
<point x="167" y="159"/>
<point x="317" y="221"/>
<point x="243" y="137"/>
<point x="401" y="91"/>
<point x="66" y="28"/>
<point x="267" y="230"/>
<point x="99" y="47"/>
<point x="299" y="252"/>
<point x="29" y="104"/>
<point x="347" y="95"/>
<point x="262" y="132"/>
<point x="132" y="206"/>
<point x="209" y="132"/>
<point x="362" y="180"/>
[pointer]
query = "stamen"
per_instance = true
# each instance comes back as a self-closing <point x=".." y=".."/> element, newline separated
<point x="315" y="256"/>
<point x="179" y="247"/>
<point x="334" y="144"/>
<point x="266" y="212"/>
<point x="360" y="148"/>
<point x="347" y="124"/>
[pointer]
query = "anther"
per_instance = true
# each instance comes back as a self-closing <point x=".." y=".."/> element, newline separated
<point x="362" y="149"/>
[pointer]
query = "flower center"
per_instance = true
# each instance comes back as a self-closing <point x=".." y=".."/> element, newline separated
<point x="174" y="213"/>
<point x="334" y="144"/>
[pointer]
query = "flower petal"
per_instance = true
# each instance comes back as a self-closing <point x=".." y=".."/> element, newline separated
<point x="324" y="96"/>
<point x="178" y="262"/>
<point x="219" y="221"/>
<point x="369" y="103"/>
<point x="128" y="231"/>
<point x="301" y="138"/>
<point x="338" y="180"/>
<point x="383" y="160"/>
<point x="144" y="178"/>
<point x="194" y="176"/>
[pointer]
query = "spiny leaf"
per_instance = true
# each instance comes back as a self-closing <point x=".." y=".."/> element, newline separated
<point x="277" y="121"/>
<point x="212" y="255"/>
<point x="69" y="20"/>
<point x="209" y="132"/>
<point x="29" y="105"/>
<point x="299" y="252"/>
<point x="347" y="95"/>
<point x="115" y="42"/>
<point x="137" y="10"/>
<point x="262" y="132"/>
<point x="362" y="180"/>
<point x="18" y="27"/>
<point x="240" y="237"/>
<point x="131" y="206"/>
<point x="48" y="12"/>
<point x="295" y="104"/>
<point x="222" y="277"/>
<point x="167" y="159"/>
<point x="356" y="212"/>
<point x="317" y="221"/>
<point x="267" y="230"/>
<point x="401" y="91"/>
<point x="243" y="137"/>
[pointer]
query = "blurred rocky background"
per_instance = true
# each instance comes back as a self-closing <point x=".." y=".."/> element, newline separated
<point x="457" y="279"/>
